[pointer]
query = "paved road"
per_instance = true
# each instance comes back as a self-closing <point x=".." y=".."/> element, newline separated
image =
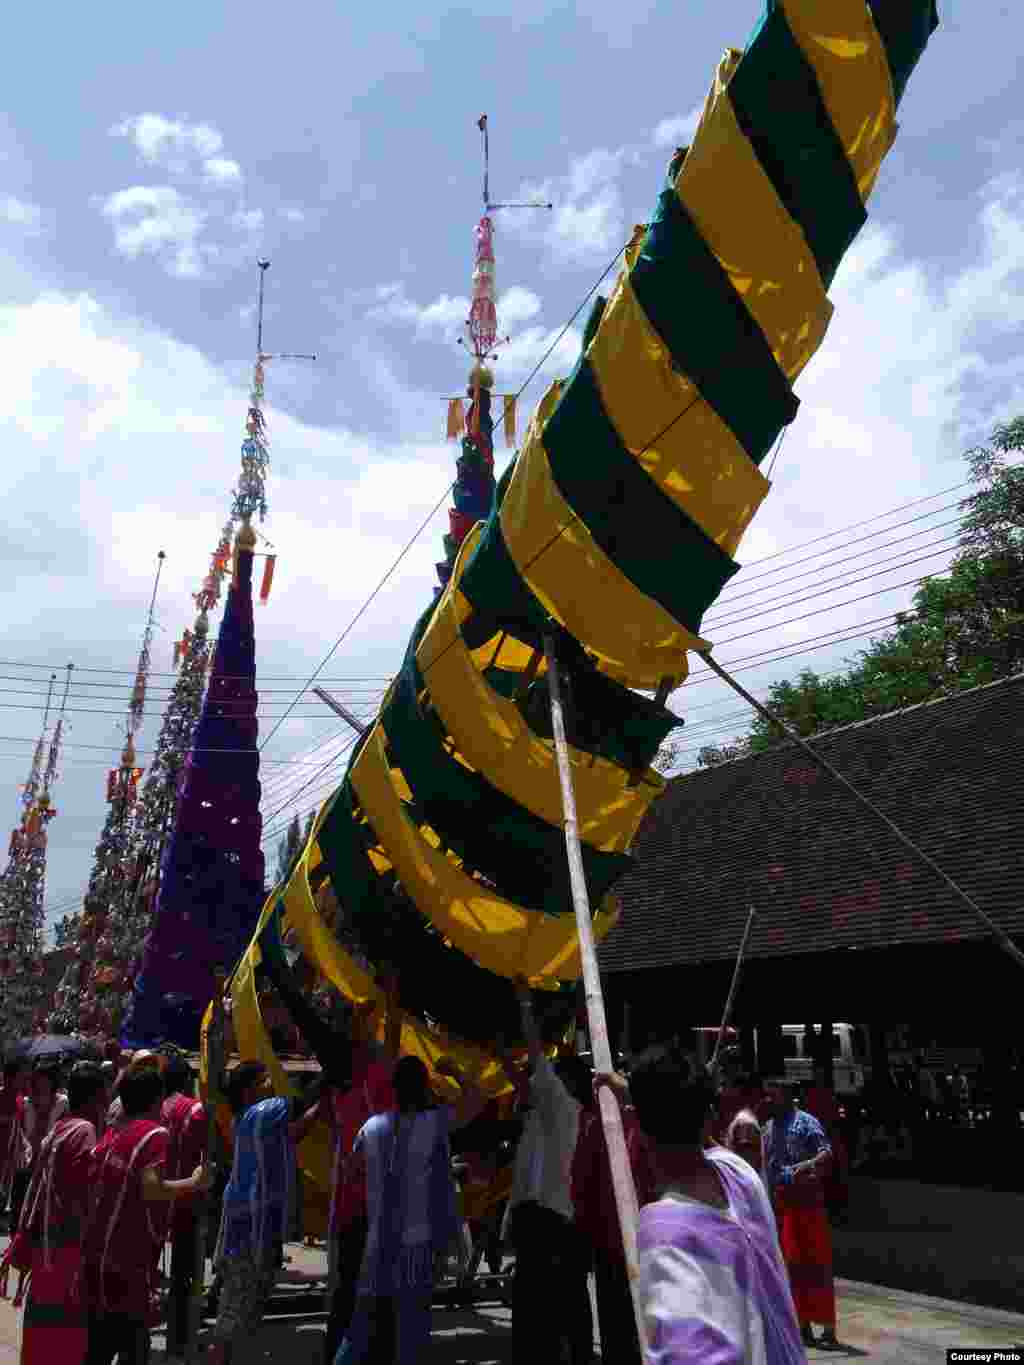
<point x="881" y="1326"/>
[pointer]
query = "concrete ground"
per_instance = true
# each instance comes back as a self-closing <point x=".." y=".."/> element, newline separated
<point x="882" y="1326"/>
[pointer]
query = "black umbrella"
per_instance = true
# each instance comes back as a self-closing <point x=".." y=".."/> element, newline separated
<point x="50" y="1045"/>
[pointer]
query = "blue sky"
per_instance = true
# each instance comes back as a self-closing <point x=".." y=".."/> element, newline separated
<point x="147" y="157"/>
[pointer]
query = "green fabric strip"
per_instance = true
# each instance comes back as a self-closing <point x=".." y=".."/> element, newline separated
<point x="435" y="982"/>
<point x="520" y="854"/>
<point x="611" y="721"/>
<point x="713" y="340"/>
<point x="778" y="103"/>
<point x="904" y="27"/>
<point x="495" y="588"/>
<point x="651" y="540"/>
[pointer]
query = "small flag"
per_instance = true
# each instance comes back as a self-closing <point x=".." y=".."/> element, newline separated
<point x="456" y="419"/>
<point x="510" y="421"/>
<point x="268" y="577"/>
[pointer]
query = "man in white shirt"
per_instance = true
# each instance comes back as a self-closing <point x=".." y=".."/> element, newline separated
<point x="550" y="1300"/>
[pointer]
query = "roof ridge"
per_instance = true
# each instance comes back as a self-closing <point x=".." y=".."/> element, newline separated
<point x="854" y="725"/>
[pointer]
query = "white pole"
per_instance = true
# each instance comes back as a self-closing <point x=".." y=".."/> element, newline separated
<point x="611" y="1118"/>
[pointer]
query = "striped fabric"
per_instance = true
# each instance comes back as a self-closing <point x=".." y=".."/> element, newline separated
<point x="617" y="525"/>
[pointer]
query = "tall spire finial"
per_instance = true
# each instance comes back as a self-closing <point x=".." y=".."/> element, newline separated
<point x="138" y="699"/>
<point x="251" y="492"/>
<point x="53" y="758"/>
<point x="474" y="486"/>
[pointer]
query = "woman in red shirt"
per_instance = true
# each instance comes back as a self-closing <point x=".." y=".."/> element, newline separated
<point x="123" y="1239"/>
<point x="46" y="1247"/>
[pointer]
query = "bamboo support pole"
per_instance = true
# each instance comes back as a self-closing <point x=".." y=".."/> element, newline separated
<point x="731" y="997"/>
<point x="1000" y="935"/>
<point x="611" y="1118"/>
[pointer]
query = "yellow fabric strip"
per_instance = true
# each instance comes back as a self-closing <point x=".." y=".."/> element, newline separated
<point x="697" y="462"/>
<point x="842" y="44"/>
<point x="356" y="985"/>
<point x="492" y="737"/>
<point x="734" y="204"/>
<point x="633" y="638"/>
<point x="253" y="1042"/>
<point x="497" y="934"/>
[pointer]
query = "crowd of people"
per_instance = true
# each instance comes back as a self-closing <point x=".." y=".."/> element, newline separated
<point x="101" y="1168"/>
<point x="734" y="1189"/>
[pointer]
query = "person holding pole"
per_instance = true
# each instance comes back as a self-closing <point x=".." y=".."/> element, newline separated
<point x="550" y="1301"/>
<point x="185" y="1119"/>
<point x="713" y="1284"/>
<point x="254" y="1223"/>
<point x="597" y="1217"/>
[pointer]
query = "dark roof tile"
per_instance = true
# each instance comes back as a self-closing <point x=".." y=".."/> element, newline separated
<point x="774" y="831"/>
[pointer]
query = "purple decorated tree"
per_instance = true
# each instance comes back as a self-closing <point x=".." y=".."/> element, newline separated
<point x="211" y="887"/>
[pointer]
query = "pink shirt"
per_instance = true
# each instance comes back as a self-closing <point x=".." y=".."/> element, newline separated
<point x="371" y="1093"/>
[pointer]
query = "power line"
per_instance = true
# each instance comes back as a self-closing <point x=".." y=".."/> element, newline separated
<point x="841" y="581"/>
<point x="855" y="525"/>
<point x="741" y="578"/>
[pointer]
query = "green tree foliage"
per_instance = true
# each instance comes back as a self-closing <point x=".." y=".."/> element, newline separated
<point x="288" y="849"/>
<point x="966" y="627"/>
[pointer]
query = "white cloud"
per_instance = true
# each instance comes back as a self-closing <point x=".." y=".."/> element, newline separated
<point x="157" y="220"/>
<point x="19" y="214"/>
<point x="221" y="170"/>
<point x="678" y="131"/>
<point x="248" y="220"/>
<point x="173" y="144"/>
<point x="446" y="316"/>
<point x="588" y="219"/>
<point x="194" y="226"/>
<point x="518" y="305"/>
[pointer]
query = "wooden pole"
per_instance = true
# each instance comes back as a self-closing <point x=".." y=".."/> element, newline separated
<point x="1001" y="937"/>
<point x="215" y="1060"/>
<point x="731" y="997"/>
<point x="611" y="1118"/>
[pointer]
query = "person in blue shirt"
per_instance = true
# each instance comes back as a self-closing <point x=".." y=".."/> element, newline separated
<point x="257" y="1201"/>
<point x="797" y="1158"/>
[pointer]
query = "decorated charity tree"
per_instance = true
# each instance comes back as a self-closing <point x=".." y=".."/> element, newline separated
<point x="22" y="887"/>
<point x="212" y="875"/>
<point x="76" y="1002"/>
<point x="119" y="902"/>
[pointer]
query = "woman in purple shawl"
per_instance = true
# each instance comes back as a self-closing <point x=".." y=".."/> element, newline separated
<point x="411" y="1214"/>
<point x="714" y="1285"/>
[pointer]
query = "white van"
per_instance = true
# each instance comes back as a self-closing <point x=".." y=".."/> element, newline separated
<point x="848" y="1069"/>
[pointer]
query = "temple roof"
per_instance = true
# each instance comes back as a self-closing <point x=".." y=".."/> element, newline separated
<point x="772" y="830"/>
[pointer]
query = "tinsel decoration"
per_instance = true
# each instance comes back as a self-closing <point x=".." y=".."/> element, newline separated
<point x="22" y="889"/>
<point x="473" y="489"/>
<point x="220" y="565"/>
<point x="117" y="910"/>
<point x="250" y="493"/>
<point x="482" y="323"/>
